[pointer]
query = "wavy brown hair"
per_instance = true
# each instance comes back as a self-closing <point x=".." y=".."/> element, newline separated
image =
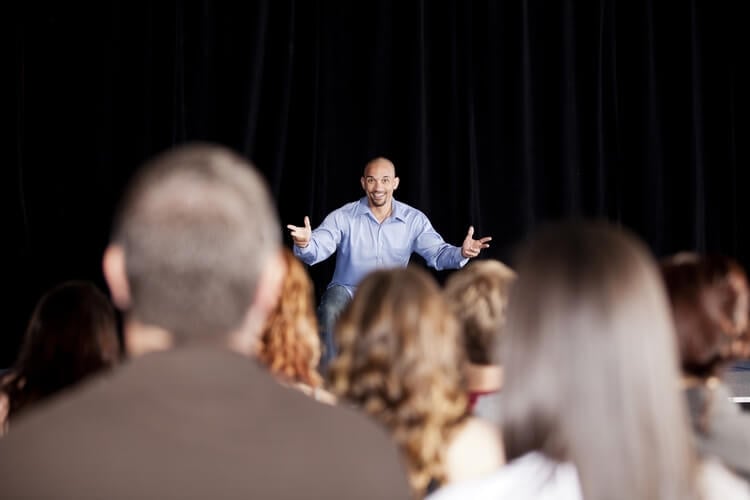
<point x="400" y="361"/>
<point x="289" y="344"/>
<point x="709" y="296"/>
<point x="478" y="295"/>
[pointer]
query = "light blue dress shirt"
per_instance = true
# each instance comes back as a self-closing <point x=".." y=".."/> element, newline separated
<point x="364" y="245"/>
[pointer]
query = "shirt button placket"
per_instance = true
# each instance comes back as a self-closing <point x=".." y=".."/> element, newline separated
<point x="379" y="245"/>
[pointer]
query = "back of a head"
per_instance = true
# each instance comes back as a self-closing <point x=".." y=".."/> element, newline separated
<point x="478" y="295"/>
<point x="197" y="225"/>
<point x="709" y="296"/>
<point x="400" y="359"/>
<point x="289" y="342"/>
<point x="72" y="334"/>
<point x="590" y="364"/>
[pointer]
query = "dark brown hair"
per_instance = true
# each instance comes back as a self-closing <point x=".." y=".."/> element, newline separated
<point x="196" y="226"/>
<point x="709" y="296"/>
<point x="591" y="366"/>
<point x="289" y="344"/>
<point x="400" y="361"/>
<point x="71" y="335"/>
<point x="478" y="295"/>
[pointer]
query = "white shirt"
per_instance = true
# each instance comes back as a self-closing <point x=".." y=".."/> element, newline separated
<point x="531" y="476"/>
<point x="534" y="476"/>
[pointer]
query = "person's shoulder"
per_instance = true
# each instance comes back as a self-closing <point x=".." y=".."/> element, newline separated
<point x="347" y="210"/>
<point x="337" y="434"/>
<point x="520" y="479"/>
<point x="407" y="212"/>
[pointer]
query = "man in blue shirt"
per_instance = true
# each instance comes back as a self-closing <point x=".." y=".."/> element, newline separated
<point x="374" y="232"/>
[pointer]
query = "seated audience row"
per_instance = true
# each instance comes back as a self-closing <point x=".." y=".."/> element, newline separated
<point x="576" y="358"/>
<point x="195" y="264"/>
<point x="590" y="407"/>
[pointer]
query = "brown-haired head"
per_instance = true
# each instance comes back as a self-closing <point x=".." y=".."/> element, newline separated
<point x="71" y="335"/>
<point x="197" y="228"/>
<point x="478" y="295"/>
<point x="400" y="360"/>
<point x="709" y="296"/>
<point x="289" y="342"/>
<point x="590" y="365"/>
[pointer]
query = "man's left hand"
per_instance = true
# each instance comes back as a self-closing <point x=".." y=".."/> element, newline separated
<point x="472" y="247"/>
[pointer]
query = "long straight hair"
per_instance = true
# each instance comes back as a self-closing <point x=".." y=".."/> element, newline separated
<point x="591" y="366"/>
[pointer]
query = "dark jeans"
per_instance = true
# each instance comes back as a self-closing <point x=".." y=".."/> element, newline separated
<point x="332" y="303"/>
<point x="741" y="366"/>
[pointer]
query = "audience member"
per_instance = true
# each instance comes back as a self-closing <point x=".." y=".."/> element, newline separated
<point x="709" y="296"/>
<point x="195" y="263"/>
<point x="289" y="343"/>
<point x="591" y="408"/>
<point x="478" y="295"/>
<point x="72" y="334"/>
<point x="400" y="361"/>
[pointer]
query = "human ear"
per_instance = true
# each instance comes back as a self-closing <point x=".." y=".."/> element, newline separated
<point x="113" y="266"/>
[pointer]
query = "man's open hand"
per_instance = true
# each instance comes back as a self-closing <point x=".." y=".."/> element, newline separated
<point x="472" y="247"/>
<point x="301" y="235"/>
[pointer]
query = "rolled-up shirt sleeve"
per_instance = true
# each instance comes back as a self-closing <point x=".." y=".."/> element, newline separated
<point x="323" y="241"/>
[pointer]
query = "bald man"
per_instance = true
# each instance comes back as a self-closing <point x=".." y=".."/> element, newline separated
<point x="375" y="232"/>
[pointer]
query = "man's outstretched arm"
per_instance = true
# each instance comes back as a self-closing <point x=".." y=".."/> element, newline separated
<point x="441" y="255"/>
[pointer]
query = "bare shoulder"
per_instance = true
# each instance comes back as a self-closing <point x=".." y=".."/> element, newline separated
<point x="476" y="450"/>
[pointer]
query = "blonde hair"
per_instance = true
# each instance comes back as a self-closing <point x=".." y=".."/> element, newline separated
<point x="478" y="295"/>
<point x="289" y="345"/>
<point x="400" y="360"/>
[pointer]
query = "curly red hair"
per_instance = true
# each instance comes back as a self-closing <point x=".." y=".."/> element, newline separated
<point x="289" y="345"/>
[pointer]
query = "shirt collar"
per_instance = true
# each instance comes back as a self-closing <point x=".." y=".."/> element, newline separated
<point x="363" y="208"/>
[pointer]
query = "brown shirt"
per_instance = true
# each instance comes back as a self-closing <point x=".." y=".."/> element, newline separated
<point x="196" y="423"/>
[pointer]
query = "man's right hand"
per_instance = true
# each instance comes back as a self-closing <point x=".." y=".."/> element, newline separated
<point x="301" y="235"/>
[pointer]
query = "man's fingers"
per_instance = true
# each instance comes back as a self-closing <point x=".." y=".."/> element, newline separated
<point x="485" y="240"/>
<point x="470" y="233"/>
<point x="292" y="227"/>
<point x="307" y="222"/>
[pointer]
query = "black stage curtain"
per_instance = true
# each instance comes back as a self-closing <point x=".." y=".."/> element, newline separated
<point x="501" y="114"/>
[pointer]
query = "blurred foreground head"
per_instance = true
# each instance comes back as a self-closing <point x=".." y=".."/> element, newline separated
<point x="71" y="335"/>
<point x="195" y="245"/>
<point x="400" y="360"/>
<point x="591" y="365"/>
<point x="478" y="294"/>
<point x="709" y="296"/>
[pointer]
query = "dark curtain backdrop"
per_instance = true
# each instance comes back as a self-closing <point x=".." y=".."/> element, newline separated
<point x="500" y="114"/>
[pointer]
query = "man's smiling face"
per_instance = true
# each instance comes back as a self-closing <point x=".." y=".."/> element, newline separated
<point x="379" y="181"/>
